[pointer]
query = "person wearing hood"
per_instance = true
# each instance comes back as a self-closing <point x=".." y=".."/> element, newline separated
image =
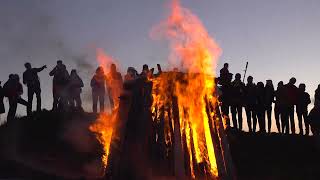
<point x="75" y="89"/>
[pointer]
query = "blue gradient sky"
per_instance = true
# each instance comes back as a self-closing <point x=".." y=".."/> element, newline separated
<point x="280" y="39"/>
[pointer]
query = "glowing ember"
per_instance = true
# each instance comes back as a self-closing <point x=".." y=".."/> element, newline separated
<point x="197" y="53"/>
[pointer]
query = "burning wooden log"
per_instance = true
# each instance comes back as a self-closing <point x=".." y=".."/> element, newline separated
<point x="153" y="126"/>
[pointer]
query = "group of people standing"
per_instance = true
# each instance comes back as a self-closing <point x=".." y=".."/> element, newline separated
<point x="66" y="89"/>
<point x="258" y="99"/>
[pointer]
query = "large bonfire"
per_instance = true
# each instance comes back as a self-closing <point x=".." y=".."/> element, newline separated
<point x="196" y="53"/>
<point x="188" y="94"/>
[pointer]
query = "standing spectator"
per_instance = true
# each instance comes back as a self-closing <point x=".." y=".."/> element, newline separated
<point x="13" y="90"/>
<point x="279" y="107"/>
<point x="75" y="89"/>
<point x="131" y="74"/>
<point x="237" y="94"/>
<point x="114" y="85"/>
<point x="224" y="74"/>
<point x="260" y="108"/>
<point x="314" y="119"/>
<point x="225" y="80"/>
<point x="60" y="83"/>
<point x="269" y="94"/>
<point x="98" y="85"/>
<point x="31" y="79"/>
<point x="145" y="71"/>
<point x="250" y="104"/>
<point x="302" y="108"/>
<point x="2" y="108"/>
<point x="317" y="94"/>
<point x="291" y="100"/>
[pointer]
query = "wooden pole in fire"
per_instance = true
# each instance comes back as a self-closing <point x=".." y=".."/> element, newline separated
<point x="226" y="153"/>
<point x="179" y="169"/>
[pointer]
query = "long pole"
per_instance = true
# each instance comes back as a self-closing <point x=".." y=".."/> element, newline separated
<point x="245" y="71"/>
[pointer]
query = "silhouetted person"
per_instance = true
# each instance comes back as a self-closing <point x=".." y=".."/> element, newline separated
<point x="31" y="79"/>
<point x="250" y="104"/>
<point x="279" y="107"/>
<point x="269" y="94"/>
<point x="237" y="94"/>
<point x="60" y="83"/>
<point x="302" y="108"/>
<point x="75" y="89"/>
<point x="260" y="108"/>
<point x="314" y="119"/>
<point x="98" y="85"/>
<point x="226" y="98"/>
<point x="114" y="85"/>
<point x="159" y="70"/>
<point x="291" y="101"/>
<point x="131" y="75"/>
<point x="317" y="94"/>
<point x="145" y="71"/>
<point x="13" y="90"/>
<point x="224" y="73"/>
<point x="2" y="108"/>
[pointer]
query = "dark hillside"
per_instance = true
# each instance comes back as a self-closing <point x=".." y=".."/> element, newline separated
<point x="53" y="146"/>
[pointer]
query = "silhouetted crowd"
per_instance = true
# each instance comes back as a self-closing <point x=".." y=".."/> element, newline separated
<point x="256" y="99"/>
<point x="66" y="89"/>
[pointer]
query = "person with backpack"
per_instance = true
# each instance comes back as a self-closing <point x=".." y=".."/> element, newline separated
<point x="13" y="90"/>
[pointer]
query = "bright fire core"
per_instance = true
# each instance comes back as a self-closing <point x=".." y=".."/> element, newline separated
<point x="196" y="54"/>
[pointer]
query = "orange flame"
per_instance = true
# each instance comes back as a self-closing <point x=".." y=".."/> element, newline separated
<point x="197" y="53"/>
<point x="105" y="125"/>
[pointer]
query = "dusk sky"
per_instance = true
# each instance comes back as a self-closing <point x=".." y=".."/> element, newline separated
<point x="279" y="38"/>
